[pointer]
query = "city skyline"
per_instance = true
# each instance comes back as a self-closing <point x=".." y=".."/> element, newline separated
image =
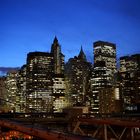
<point x="29" y="26"/>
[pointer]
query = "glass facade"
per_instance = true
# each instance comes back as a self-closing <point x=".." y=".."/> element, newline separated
<point x="103" y="71"/>
<point x="39" y="82"/>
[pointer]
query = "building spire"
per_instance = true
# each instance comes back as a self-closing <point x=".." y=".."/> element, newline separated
<point x="55" y="44"/>
<point x="82" y="55"/>
<point x="81" y="49"/>
<point x="55" y="40"/>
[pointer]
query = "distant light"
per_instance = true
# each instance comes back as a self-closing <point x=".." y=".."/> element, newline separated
<point x="117" y="94"/>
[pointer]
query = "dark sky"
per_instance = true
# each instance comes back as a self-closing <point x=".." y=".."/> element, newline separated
<point x="31" y="25"/>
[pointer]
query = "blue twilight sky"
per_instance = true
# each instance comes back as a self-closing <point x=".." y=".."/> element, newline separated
<point x="30" y="25"/>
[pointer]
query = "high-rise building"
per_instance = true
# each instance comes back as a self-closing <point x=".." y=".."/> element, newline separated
<point x="45" y="82"/>
<point x="110" y="100"/>
<point x="100" y="79"/>
<point x="103" y="71"/>
<point x="13" y="97"/>
<point x="21" y="86"/>
<point x="130" y="79"/>
<point x="39" y="82"/>
<point x="130" y="63"/>
<point x="78" y="73"/>
<point x="59" y="88"/>
<point x="58" y="57"/>
<point x="3" y="95"/>
<point x="106" y="51"/>
<point x="59" y="93"/>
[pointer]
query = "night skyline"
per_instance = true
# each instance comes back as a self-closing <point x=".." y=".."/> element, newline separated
<point x="31" y="25"/>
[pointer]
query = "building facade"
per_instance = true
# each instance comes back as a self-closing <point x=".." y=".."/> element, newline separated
<point x="103" y="71"/>
<point x="3" y="95"/>
<point x="58" y="57"/>
<point x="59" y="87"/>
<point x="105" y="51"/>
<point x="39" y="82"/>
<point x="13" y="97"/>
<point x="59" y="93"/>
<point x="130" y="79"/>
<point x="78" y="73"/>
<point x="21" y="88"/>
<point x="110" y="101"/>
<point x="45" y="82"/>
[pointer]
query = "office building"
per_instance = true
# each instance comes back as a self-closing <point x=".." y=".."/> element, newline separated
<point x="13" y="97"/>
<point x="21" y="88"/>
<point x="130" y="79"/>
<point x="103" y="71"/>
<point x="58" y="57"/>
<point x="78" y="73"/>
<point x="45" y="82"/>
<point x="59" y="87"/>
<point x="39" y="82"/>
<point x="110" y="101"/>
<point x="3" y="95"/>
<point x="59" y="93"/>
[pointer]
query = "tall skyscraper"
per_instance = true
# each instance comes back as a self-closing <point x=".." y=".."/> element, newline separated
<point x="103" y="71"/>
<point x="45" y="81"/>
<point x="39" y="82"/>
<point x="3" y="95"/>
<point x="59" y="93"/>
<point x="106" y="51"/>
<point x="13" y="97"/>
<point x="130" y="79"/>
<point x="110" y="100"/>
<point x="59" y="100"/>
<point x="78" y="73"/>
<point x="129" y="63"/>
<point x="58" y="57"/>
<point x="21" y="88"/>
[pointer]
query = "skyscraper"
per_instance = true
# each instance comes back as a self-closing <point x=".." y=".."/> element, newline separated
<point x="58" y="57"/>
<point x="58" y="94"/>
<point x="106" y="51"/>
<point x="39" y="82"/>
<point x="103" y="71"/>
<point x="21" y="88"/>
<point x="13" y="97"/>
<point x="45" y="81"/>
<point x="78" y="73"/>
<point x="3" y="95"/>
<point x="130" y="79"/>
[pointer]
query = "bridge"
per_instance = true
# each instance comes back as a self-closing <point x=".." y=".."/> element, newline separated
<point x="127" y="128"/>
<point x="79" y="128"/>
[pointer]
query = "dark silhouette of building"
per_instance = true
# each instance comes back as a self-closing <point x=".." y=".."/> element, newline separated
<point x="58" y="57"/>
<point x="130" y="79"/>
<point x="78" y="72"/>
<point x="110" y="100"/>
<point x="21" y="87"/>
<point x="3" y="94"/>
